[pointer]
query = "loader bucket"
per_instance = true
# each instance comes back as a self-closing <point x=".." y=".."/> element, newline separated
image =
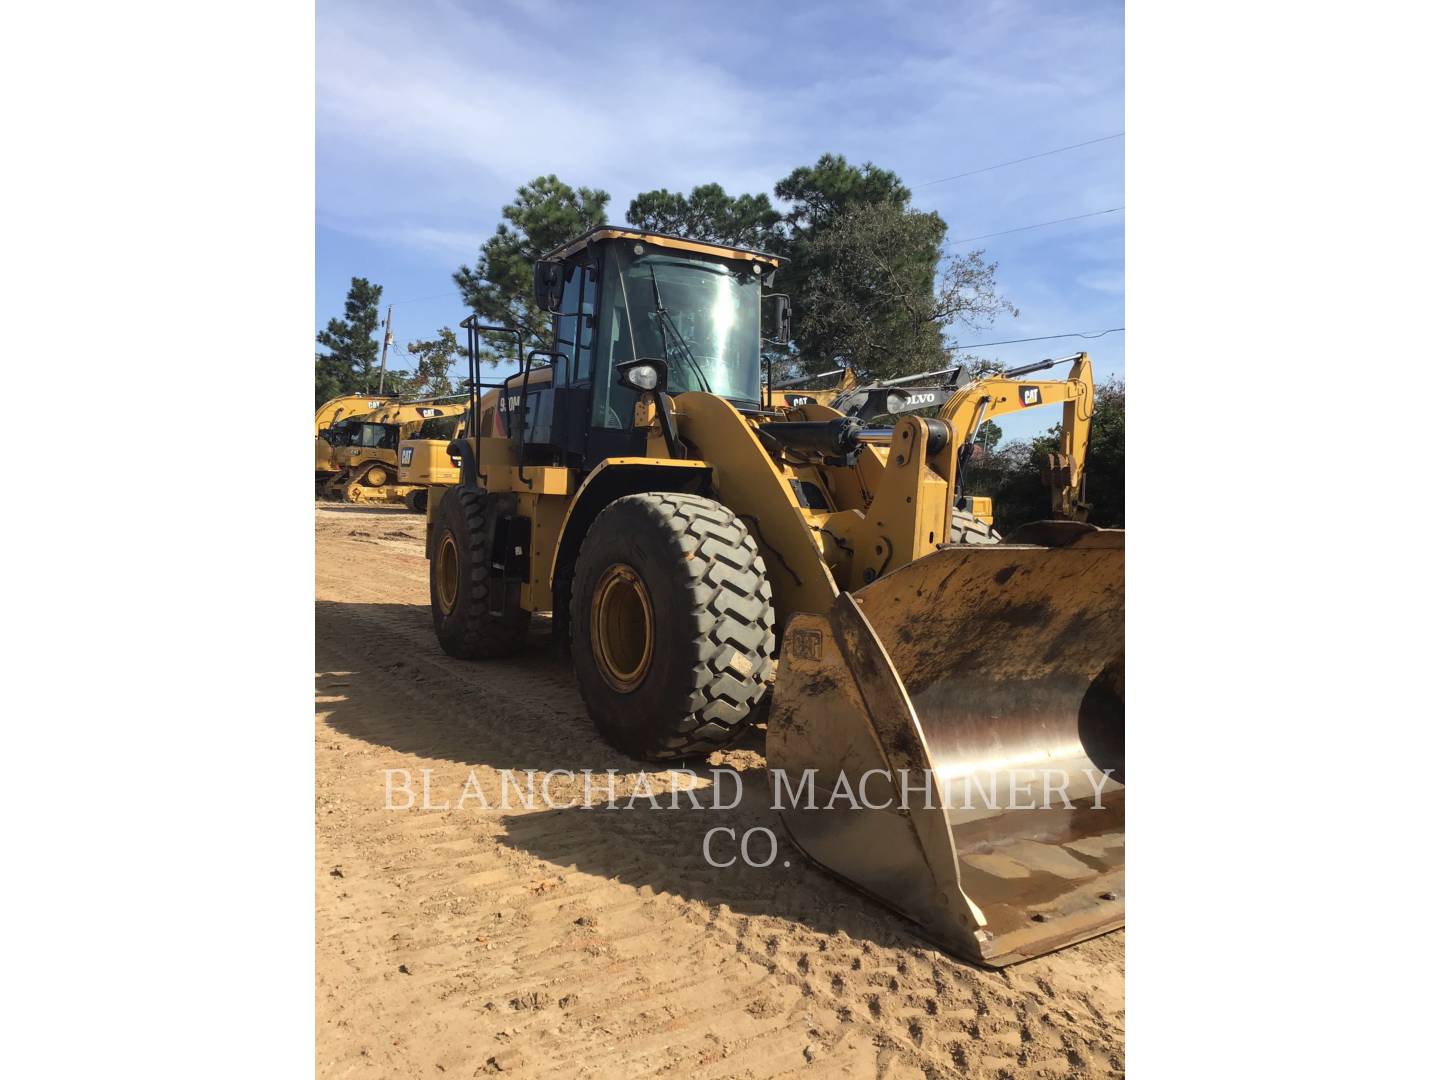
<point x="964" y="720"/>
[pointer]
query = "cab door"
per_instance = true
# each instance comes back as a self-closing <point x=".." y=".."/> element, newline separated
<point x="568" y="409"/>
<point x="611" y="420"/>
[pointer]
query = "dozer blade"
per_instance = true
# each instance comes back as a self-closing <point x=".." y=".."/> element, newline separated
<point x="964" y="718"/>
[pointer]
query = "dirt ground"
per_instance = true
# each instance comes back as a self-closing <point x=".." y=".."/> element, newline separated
<point x="589" y="942"/>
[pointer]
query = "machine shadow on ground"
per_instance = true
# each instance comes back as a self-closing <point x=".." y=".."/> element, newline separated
<point x="333" y="507"/>
<point x="524" y="713"/>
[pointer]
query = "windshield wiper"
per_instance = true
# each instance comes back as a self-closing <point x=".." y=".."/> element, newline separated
<point x="667" y="322"/>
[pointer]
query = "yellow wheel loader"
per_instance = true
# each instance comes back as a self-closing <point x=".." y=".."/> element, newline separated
<point x="430" y="464"/>
<point x="365" y="449"/>
<point x="944" y="718"/>
<point x="425" y="466"/>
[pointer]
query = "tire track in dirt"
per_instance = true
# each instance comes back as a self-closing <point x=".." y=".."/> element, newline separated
<point x="594" y="942"/>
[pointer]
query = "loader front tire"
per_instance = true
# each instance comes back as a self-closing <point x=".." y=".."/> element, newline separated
<point x="460" y="583"/>
<point x="966" y="528"/>
<point x="672" y="626"/>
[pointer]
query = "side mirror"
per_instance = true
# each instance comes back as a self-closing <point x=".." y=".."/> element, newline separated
<point x="549" y="285"/>
<point x="775" y="317"/>
<point x="643" y="375"/>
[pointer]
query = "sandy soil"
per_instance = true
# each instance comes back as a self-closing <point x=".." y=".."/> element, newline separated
<point x="586" y="942"/>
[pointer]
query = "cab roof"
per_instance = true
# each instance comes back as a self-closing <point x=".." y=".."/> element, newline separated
<point x="680" y="243"/>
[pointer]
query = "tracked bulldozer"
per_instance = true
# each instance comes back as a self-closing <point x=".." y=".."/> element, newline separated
<point x="328" y="417"/>
<point x="943" y="707"/>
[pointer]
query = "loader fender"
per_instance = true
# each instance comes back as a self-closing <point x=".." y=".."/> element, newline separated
<point x="614" y="479"/>
<point x="610" y="480"/>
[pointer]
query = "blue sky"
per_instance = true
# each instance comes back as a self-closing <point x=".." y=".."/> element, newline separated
<point x="430" y="114"/>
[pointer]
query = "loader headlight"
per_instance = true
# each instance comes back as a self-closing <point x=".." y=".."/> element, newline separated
<point x="642" y="374"/>
<point x="642" y="377"/>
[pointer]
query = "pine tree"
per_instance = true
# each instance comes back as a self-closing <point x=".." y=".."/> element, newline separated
<point x="348" y="366"/>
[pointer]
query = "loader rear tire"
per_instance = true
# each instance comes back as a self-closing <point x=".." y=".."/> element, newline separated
<point x="460" y="583"/>
<point x="415" y="500"/>
<point x="672" y="626"/>
<point x="966" y="528"/>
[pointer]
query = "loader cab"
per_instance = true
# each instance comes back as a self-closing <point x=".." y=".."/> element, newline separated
<point x="618" y="295"/>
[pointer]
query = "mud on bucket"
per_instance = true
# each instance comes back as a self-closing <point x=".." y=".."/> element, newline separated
<point x="962" y="721"/>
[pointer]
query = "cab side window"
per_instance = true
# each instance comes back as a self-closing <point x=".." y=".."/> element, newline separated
<point x="566" y="323"/>
<point x="585" y="342"/>
<point x="575" y="334"/>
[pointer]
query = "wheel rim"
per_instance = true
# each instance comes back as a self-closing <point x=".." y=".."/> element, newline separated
<point x="622" y="628"/>
<point x="375" y="476"/>
<point x="447" y="573"/>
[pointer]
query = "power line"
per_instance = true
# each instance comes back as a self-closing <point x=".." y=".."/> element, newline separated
<point x="1090" y="336"/>
<point x="1037" y="225"/>
<point x="1029" y="157"/>
<point x="417" y="299"/>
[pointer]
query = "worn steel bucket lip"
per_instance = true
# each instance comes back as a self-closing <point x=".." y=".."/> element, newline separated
<point x="1048" y="937"/>
<point x="1085" y="900"/>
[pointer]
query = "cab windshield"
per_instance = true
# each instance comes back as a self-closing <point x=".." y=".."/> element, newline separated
<point x="439" y="427"/>
<point x="700" y="315"/>
<point x="372" y="435"/>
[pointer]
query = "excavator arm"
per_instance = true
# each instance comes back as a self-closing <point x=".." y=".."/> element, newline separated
<point x="998" y="395"/>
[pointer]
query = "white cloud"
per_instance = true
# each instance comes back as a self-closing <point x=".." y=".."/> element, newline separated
<point x="430" y="114"/>
<point x="465" y="110"/>
<point x="1113" y="284"/>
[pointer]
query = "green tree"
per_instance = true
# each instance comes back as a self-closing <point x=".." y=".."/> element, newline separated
<point x="433" y="361"/>
<point x="499" y="287"/>
<point x="1011" y="475"/>
<point x="821" y="192"/>
<point x="347" y="367"/>
<point x="988" y="435"/>
<point x="708" y="213"/>
<point x="879" y="294"/>
<point x="1105" y="459"/>
<point x="869" y="281"/>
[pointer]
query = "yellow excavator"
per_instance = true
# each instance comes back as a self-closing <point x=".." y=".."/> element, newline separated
<point x="944" y="713"/>
<point x="365" y="447"/>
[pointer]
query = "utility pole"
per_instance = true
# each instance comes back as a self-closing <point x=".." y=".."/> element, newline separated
<point x="385" y="346"/>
